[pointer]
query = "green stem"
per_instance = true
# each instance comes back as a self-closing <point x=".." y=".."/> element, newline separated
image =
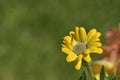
<point x="89" y="71"/>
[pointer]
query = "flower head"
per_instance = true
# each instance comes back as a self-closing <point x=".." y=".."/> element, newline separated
<point x="78" y="45"/>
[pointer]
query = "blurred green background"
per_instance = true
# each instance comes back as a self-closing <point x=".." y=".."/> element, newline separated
<point x="31" y="32"/>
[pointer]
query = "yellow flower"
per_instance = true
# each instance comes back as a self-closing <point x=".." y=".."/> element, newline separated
<point x="78" y="45"/>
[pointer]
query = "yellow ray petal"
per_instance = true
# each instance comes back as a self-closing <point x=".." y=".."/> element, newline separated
<point x="67" y="38"/>
<point x="68" y="45"/>
<point x="92" y="41"/>
<point x="71" y="57"/>
<point x="66" y="50"/>
<point x="77" y="33"/>
<point x="90" y="34"/>
<point x="97" y="44"/>
<point x="94" y="38"/>
<point x="83" y="34"/>
<point x="87" y="51"/>
<point x="71" y="33"/>
<point x="67" y="42"/>
<point x="79" y="63"/>
<point x="97" y="35"/>
<point x="86" y="55"/>
<point x="94" y="49"/>
<point x="87" y="58"/>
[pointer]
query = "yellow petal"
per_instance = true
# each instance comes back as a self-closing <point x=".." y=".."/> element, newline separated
<point x="97" y="44"/>
<point x="79" y="62"/>
<point x="83" y="34"/>
<point x="87" y="51"/>
<point x="96" y="50"/>
<point x="78" y="65"/>
<point x="71" y="57"/>
<point x="71" y="33"/>
<point x="77" y="33"/>
<point x="97" y="35"/>
<point x="66" y="50"/>
<point x="67" y="42"/>
<point x="86" y="55"/>
<point x="67" y="38"/>
<point x="90" y="34"/>
<point x="68" y="45"/>
<point x="87" y="58"/>
<point x="63" y="45"/>
<point x="94" y="38"/>
<point x="92" y="42"/>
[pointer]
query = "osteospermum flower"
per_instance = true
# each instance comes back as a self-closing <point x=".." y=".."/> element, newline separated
<point x="78" y="45"/>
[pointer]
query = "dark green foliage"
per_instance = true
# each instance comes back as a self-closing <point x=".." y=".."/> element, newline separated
<point x="84" y="74"/>
<point x="103" y="74"/>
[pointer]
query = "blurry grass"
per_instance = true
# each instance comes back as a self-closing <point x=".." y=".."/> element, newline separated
<point x="31" y="33"/>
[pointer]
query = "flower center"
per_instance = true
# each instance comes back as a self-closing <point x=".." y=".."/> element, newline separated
<point x="79" y="47"/>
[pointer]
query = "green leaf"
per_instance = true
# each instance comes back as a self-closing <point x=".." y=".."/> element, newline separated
<point x="83" y="76"/>
<point x="111" y="76"/>
<point x="102" y="74"/>
<point x="114" y="78"/>
<point x="83" y="73"/>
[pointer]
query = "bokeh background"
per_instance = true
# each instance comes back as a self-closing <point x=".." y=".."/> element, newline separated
<point x="31" y="32"/>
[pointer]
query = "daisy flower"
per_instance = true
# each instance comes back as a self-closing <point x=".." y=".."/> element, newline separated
<point x="78" y="45"/>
